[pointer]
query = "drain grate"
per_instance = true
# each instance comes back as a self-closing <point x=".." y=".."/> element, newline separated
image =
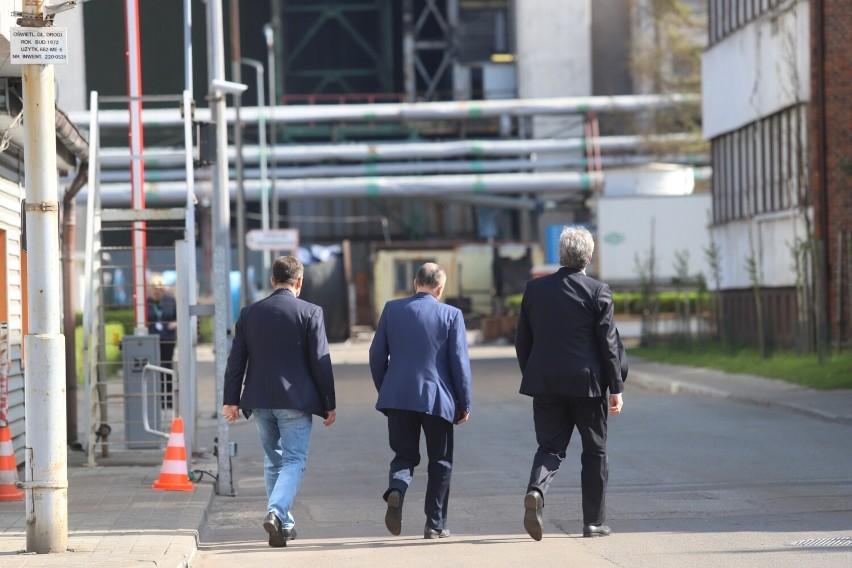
<point x="822" y="542"/>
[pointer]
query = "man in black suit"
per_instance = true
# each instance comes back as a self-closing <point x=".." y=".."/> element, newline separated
<point x="567" y="348"/>
<point x="280" y="360"/>
<point x="162" y="321"/>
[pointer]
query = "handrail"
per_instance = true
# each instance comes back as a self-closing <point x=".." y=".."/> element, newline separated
<point x="175" y="393"/>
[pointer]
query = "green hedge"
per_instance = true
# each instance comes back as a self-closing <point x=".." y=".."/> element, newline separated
<point x="633" y="303"/>
<point x="667" y="302"/>
<point x="124" y="317"/>
<point x="114" y="333"/>
<point x="513" y="303"/>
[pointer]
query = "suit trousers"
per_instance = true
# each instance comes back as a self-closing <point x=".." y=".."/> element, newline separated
<point x="404" y="435"/>
<point x="555" y="418"/>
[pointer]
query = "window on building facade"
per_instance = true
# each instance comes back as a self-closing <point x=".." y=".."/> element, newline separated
<point x="404" y="273"/>
<point x="761" y="168"/>
<point x="727" y="16"/>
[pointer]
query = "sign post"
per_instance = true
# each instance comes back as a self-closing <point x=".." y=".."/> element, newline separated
<point x="37" y="45"/>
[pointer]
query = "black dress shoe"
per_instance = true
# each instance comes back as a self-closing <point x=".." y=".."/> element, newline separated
<point x="289" y="534"/>
<point x="393" y="516"/>
<point x="429" y="532"/>
<point x="533" y="504"/>
<point x="272" y="525"/>
<point x="596" y="530"/>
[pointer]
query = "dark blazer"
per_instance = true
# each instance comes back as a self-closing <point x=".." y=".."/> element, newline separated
<point x="162" y="312"/>
<point x="566" y="341"/>
<point x="279" y="357"/>
<point x="419" y="359"/>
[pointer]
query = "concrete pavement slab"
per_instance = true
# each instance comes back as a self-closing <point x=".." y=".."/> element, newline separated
<point x="117" y="520"/>
<point x="459" y="550"/>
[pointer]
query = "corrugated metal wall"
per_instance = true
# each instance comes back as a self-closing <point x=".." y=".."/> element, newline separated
<point x="10" y="223"/>
<point x="483" y="30"/>
<point x="779" y="313"/>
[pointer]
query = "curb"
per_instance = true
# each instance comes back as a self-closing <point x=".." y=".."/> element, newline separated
<point x="647" y="382"/>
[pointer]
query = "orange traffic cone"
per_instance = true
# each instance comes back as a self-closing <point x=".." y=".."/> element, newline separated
<point x="173" y="475"/>
<point x="8" y="471"/>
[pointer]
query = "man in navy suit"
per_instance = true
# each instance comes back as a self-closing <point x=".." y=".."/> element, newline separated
<point x="279" y="359"/>
<point x="421" y="369"/>
<point x="162" y="321"/>
<point x="567" y="348"/>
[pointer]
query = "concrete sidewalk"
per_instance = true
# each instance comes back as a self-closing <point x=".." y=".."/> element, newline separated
<point x="115" y="519"/>
<point x="833" y="406"/>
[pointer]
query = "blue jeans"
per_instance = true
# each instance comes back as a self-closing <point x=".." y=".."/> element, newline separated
<point x="284" y="434"/>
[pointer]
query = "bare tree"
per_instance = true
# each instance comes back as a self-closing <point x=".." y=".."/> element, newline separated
<point x="800" y="252"/>
<point x="713" y="255"/>
<point x="647" y="270"/>
<point x="681" y="283"/>
<point x="752" y="266"/>
<point x="665" y="58"/>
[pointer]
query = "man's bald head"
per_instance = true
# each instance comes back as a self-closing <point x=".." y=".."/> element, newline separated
<point x="430" y="277"/>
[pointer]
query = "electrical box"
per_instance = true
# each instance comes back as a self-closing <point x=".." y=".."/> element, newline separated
<point x="205" y="143"/>
<point x="136" y="352"/>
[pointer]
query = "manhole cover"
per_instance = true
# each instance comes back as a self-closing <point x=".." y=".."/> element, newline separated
<point x="841" y="541"/>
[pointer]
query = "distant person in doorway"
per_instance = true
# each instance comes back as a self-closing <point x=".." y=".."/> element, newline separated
<point x="162" y="321"/>
<point x="279" y="369"/>
<point x="420" y="366"/>
<point x="568" y="350"/>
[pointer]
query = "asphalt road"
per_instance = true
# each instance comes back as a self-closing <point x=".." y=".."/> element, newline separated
<point x="693" y="482"/>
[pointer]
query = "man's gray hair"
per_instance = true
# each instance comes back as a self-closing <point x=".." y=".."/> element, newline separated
<point x="576" y="246"/>
<point x="287" y="270"/>
<point x="430" y="276"/>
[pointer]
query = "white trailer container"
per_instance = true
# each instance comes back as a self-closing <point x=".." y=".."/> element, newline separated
<point x="629" y="227"/>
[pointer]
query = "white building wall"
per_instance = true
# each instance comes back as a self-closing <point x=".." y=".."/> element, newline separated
<point x="71" y="77"/>
<point x="769" y="238"/>
<point x="757" y="71"/>
<point x="754" y="73"/>
<point x="10" y="221"/>
<point x="554" y="57"/>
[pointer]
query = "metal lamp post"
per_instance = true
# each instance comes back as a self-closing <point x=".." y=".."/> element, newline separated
<point x="269" y="34"/>
<point x="238" y="148"/>
<point x="264" y="157"/>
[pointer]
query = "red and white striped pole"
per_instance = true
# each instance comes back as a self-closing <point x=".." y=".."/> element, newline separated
<point x="137" y="165"/>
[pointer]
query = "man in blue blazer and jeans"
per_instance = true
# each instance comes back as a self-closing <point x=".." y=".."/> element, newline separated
<point x="421" y="369"/>
<point x="279" y="359"/>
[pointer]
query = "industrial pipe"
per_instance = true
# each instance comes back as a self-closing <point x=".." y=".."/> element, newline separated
<point x="369" y="153"/>
<point x="163" y="194"/>
<point x="402" y="112"/>
<point x="424" y="168"/>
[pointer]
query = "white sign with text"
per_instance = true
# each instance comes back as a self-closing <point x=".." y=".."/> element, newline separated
<point x="39" y="46"/>
<point x="273" y="239"/>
